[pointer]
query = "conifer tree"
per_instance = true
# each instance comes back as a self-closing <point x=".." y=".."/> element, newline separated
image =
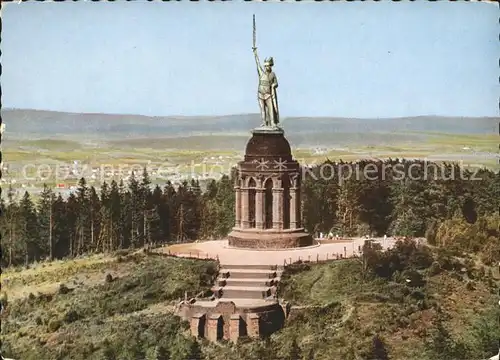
<point x="156" y="219"/>
<point x="94" y="215"/>
<point x="225" y="203"/>
<point x="149" y="215"/>
<point x="71" y="218"/>
<point x="116" y="207"/>
<point x="12" y="218"/>
<point x="83" y="217"/>
<point x="29" y="229"/>
<point x="60" y="228"/>
<point x="122" y="197"/>
<point x="135" y="205"/>
<point x="46" y="221"/>
<point x="161" y="353"/>
<point x="377" y="350"/>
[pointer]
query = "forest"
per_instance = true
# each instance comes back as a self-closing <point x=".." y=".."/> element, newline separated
<point x="449" y="205"/>
<point x="104" y="300"/>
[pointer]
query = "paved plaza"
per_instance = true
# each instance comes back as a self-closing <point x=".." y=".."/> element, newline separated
<point x="232" y="256"/>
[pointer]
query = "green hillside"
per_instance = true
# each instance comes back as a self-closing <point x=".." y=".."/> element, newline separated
<point x="116" y="307"/>
<point x="121" y="307"/>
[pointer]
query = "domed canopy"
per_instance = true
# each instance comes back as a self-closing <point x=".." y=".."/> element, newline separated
<point x="268" y="145"/>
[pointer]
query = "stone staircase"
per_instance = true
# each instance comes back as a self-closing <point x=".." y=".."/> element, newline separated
<point x="247" y="282"/>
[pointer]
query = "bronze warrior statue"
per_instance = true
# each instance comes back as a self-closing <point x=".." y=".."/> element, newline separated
<point x="267" y="95"/>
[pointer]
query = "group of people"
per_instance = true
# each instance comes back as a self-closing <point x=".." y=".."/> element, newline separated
<point x="336" y="236"/>
<point x="327" y="236"/>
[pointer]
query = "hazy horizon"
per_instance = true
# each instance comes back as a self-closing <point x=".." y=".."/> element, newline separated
<point x="249" y="114"/>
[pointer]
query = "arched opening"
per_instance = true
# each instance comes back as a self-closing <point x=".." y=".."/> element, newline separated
<point x="251" y="202"/>
<point x="286" y="202"/>
<point x="268" y="207"/>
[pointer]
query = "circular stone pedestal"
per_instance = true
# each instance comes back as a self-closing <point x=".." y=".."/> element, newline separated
<point x="267" y="195"/>
<point x="269" y="239"/>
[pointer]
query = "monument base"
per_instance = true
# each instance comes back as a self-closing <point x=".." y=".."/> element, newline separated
<point x="269" y="238"/>
<point x="265" y="129"/>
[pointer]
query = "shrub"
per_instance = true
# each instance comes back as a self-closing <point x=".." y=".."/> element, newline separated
<point x="421" y="257"/>
<point x="418" y="294"/>
<point x="425" y="304"/>
<point x="447" y="260"/>
<point x="377" y="350"/>
<point x="434" y="269"/>
<point x="63" y="289"/>
<point x="490" y="273"/>
<point x="109" y="278"/>
<point x="457" y="276"/>
<point x="397" y="291"/>
<point x="71" y="316"/>
<point x="54" y="325"/>
<point x="297" y="268"/>
<point x="160" y="353"/>
<point x="3" y="300"/>
<point x="403" y="322"/>
<point x="372" y="297"/>
<point x="122" y="252"/>
<point x="413" y="278"/>
<point x="481" y="272"/>
<point x="43" y="298"/>
<point x="410" y="309"/>
<point x="470" y="286"/>
<point x="470" y="268"/>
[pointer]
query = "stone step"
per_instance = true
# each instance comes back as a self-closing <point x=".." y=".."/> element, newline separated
<point x="245" y="302"/>
<point x="245" y="292"/>
<point x="253" y="282"/>
<point x="254" y="267"/>
<point x="247" y="273"/>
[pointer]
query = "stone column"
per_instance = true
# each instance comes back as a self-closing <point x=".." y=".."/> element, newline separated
<point x="234" y="327"/>
<point x="237" y="206"/>
<point x="245" y="211"/>
<point x="198" y="325"/>
<point x="298" y="208"/>
<point x="293" y="208"/>
<point x="278" y="208"/>
<point x="259" y="208"/>
<point x="295" y="212"/>
<point x="253" y="325"/>
<point x="213" y="327"/>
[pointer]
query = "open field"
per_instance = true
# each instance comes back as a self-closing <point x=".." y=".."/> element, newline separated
<point x="193" y="153"/>
<point x="176" y="148"/>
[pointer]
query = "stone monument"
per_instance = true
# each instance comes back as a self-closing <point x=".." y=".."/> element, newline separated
<point x="244" y="301"/>
<point x="267" y="188"/>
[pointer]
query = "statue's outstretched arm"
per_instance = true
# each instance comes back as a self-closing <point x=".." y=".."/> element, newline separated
<point x="259" y="68"/>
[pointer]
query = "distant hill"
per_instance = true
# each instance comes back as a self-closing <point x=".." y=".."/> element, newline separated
<point x="25" y="123"/>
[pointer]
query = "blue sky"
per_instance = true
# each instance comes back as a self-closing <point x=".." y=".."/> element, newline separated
<point x="361" y="59"/>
